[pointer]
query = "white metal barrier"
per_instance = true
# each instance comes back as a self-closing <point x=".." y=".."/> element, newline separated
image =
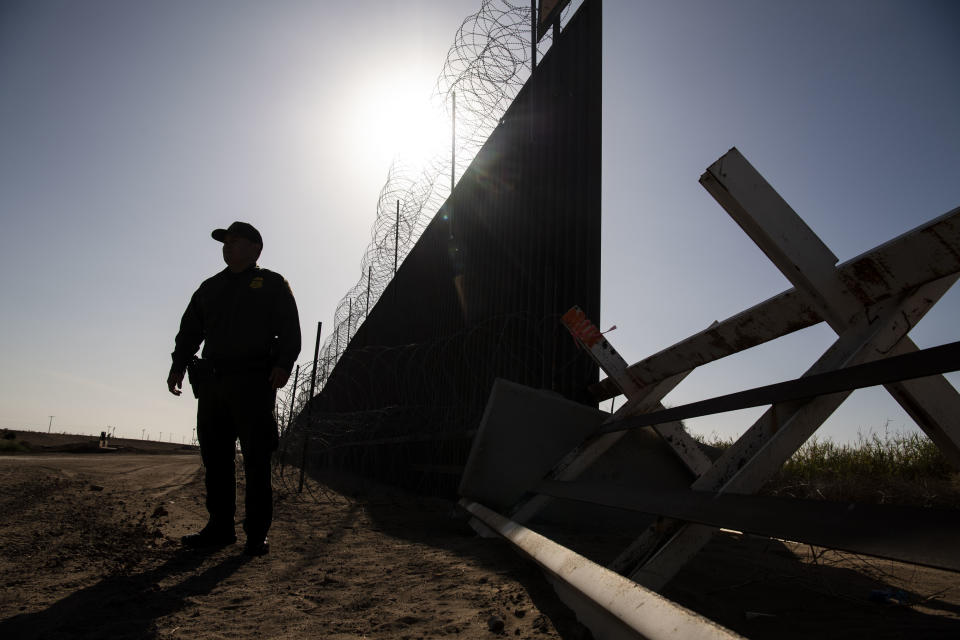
<point x="871" y="301"/>
<point x="611" y="605"/>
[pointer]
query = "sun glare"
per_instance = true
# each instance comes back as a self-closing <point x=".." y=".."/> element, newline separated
<point x="401" y="123"/>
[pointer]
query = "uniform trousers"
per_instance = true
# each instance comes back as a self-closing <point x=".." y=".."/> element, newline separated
<point x="231" y="407"/>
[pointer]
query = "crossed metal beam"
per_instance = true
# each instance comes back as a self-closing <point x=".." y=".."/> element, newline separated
<point x="871" y="302"/>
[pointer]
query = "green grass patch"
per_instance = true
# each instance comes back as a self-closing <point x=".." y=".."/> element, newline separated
<point x="907" y="456"/>
<point x="888" y="468"/>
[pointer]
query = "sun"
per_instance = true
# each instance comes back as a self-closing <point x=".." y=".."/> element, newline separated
<point x="401" y="121"/>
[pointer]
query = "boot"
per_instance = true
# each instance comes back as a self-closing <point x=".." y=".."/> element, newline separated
<point x="210" y="536"/>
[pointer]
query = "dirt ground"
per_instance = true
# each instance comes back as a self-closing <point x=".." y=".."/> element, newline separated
<point x="89" y="548"/>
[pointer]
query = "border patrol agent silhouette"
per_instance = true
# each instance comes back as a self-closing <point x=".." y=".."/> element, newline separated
<point x="246" y="318"/>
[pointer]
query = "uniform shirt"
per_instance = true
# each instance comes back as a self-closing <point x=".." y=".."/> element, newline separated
<point x="245" y="320"/>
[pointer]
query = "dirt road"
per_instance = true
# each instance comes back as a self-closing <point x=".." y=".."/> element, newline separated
<point x="152" y="475"/>
<point x="89" y="548"/>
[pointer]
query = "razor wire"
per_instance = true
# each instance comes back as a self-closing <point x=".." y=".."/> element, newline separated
<point x="484" y="70"/>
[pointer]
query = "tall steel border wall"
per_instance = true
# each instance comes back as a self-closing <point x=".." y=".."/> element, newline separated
<point x="481" y="293"/>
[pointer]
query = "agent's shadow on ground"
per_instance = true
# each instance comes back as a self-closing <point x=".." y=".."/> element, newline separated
<point x="124" y="606"/>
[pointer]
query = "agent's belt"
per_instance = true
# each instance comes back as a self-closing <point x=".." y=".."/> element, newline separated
<point x="235" y="367"/>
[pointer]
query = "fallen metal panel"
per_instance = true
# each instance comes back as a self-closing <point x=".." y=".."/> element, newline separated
<point x="909" y="534"/>
<point x="522" y="434"/>
<point x="918" y="364"/>
<point x="583" y="457"/>
<point x="525" y="431"/>
<point x="627" y="609"/>
<point x="889" y="270"/>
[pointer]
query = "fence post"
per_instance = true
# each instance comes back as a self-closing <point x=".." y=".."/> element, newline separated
<point x="349" y="319"/>
<point x="293" y="398"/>
<point x="453" y="143"/>
<point x="313" y="386"/>
<point x="285" y="431"/>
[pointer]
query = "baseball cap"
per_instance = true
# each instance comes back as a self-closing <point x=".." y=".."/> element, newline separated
<point x="242" y="229"/>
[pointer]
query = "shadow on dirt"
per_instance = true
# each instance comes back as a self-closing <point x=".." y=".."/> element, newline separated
<point x="124" y="606"/>
<point x="440" y="524"/>
<point x="758" y="587"/>
<point x="755" y="586"/>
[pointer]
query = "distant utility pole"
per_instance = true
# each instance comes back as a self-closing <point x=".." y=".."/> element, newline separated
<point x="142" y="431"/>
<point x="50" y="424"/>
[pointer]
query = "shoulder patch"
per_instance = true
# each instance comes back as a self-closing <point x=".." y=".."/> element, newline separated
<point x="257" y="283"/>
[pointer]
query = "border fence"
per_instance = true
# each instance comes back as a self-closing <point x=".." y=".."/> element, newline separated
<point x="480" y="294"/>
<point x="486" y="66"/>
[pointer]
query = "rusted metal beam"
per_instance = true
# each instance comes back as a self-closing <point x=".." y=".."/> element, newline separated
<point x="763" y="449"/>
<point x="918" y="364"/>
<point x="889" y="270"/>
<point x="803" y="259"/>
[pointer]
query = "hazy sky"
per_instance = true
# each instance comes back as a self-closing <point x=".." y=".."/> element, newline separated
<point x="129" y="130"/>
